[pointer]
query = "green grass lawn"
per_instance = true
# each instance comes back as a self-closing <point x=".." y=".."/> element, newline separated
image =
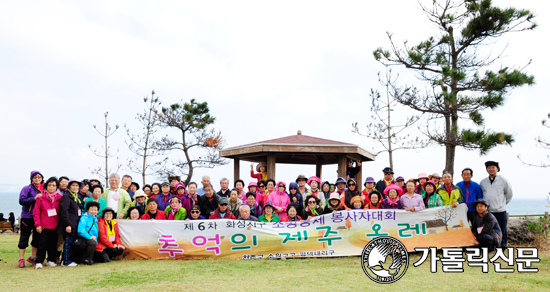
<point x="322" y="274"/>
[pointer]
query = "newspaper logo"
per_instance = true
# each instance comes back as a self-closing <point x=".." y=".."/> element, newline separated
<point x="385" y="260"/>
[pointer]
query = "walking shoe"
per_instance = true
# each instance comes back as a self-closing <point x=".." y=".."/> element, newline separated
<point x="73" y="264"/>
<point x="58" y="261"/>
<point x="38" y="266"/>
<point x="21" y="263"/>
<point x="50" y="264"/>
<point x="32" y="261"/>
<point x="89" y="263"/>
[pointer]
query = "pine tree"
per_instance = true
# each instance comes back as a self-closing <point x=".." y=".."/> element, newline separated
<point x="460" y="80"/>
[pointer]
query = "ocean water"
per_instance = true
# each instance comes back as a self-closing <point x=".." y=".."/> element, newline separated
<point x="9" y="202"/>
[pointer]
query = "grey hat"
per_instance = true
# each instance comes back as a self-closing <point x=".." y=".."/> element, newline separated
<point x="223" y="200"/>
<point x="479" y="201"/>
<point x="301" y="176"/>
<point x="165" y="184"/>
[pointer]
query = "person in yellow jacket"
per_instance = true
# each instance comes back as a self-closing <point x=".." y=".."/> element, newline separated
<point x="449" y="193"/>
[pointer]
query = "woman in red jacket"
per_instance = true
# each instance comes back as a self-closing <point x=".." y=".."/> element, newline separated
<point x="46" y="217"/>
<point x="109" y="245"/>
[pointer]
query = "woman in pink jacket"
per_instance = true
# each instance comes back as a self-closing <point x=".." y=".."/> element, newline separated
<point x="280" y="200"/>
<point x="46" y="217"/>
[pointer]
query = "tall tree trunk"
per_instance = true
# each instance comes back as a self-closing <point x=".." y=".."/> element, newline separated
<point x="106" y="154"/>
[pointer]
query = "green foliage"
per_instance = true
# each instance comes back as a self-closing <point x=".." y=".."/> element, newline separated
<point x="190" y="114"/>
<point x="460" y="83"/>
<point x="485" y="140"/>
<point x="541" y="229"/>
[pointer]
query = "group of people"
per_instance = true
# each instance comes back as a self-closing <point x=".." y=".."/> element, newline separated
<point x="75" y="221"/>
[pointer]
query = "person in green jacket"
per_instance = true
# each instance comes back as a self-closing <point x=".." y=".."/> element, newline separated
<point x="117" y="198"/>
<point x="96" y="190"/>
<point x="450" y="194"/>
<point x="268" y="215"/>
<point x="175" y="211"/>
<point x="430" y="198"/>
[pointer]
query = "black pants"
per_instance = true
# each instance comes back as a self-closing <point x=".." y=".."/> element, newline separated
<point x="487" y="241"/>
<point x="503" y="222"/>
<point x="90" y="247"/>
<point x="107" y="255"/>
<point x="27" y="227"/>
<point x="48" y="243"/>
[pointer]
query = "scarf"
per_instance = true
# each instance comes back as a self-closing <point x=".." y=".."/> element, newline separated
<point x="313" y="211"/>
<point x="51" y="196"/>
<point x="292" y="219"/>
<point x="448" y="189"/>
<point x="264" y="175"/>
<point x="40" y="187"/>
<point x="375" y="206"/>
<point x="75" y="197"/>
<point x="392" y="203"/>
<point x="268" y="217"/>
<point x="110" y="231"/>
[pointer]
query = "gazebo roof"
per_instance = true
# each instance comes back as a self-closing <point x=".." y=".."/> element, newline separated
<point x="298" y="149"/>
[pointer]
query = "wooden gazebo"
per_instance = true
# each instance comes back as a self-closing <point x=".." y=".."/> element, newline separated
<point x="298" y="149"/>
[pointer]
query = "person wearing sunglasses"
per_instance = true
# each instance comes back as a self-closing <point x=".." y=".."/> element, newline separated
<point x="296" y="197"/>
<point x="261" y="192"/>
<point x="313" y="207"/>
<point x="222" y="212"/>
<point x="195" y="213"/>
<point x="280" y="200"/>
<point x="351" y="192"/>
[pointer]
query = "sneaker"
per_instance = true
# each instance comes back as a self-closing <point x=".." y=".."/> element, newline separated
<point x="73" y="264"/>
<point x="89" y="263"/>
<point x="50" y="264"/>
<point x="58" y="261"/>
<point x="32" y="261"/>
<point x="38" y="266"/>
<point x="21" y="263"/>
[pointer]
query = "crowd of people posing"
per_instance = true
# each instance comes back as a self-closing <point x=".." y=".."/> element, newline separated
<point x="75" y="221"/>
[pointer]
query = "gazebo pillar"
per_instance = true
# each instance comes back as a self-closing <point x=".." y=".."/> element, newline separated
<point x="342" y="165"/>
<point x="236" y="169"/>
<point x="360" y="178"/>
<point x="271" y="161"/>
<point x="318" y="169"/>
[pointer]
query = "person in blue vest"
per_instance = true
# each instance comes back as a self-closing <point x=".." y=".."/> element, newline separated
<point x="471" y="191"/>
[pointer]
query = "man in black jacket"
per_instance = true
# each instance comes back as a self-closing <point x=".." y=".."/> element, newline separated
<point x="386" y="181"/>
<point x="208" y="202"/>
<point x="224" y="191"/>
<point x="485" y="226"/>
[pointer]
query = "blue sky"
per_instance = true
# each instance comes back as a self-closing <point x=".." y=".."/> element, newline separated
<point x="266" y="70"/>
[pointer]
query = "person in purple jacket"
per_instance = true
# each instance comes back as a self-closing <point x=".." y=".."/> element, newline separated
<point x="27" y="199"/>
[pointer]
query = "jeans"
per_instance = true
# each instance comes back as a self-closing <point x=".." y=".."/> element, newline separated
<point x="67" y="255"/>
<point x="503" y="222"/>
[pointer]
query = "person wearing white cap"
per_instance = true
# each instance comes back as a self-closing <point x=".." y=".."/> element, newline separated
<point x="422" y="179"/>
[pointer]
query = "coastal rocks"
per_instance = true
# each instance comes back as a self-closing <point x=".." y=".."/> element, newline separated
<point x="518" y="233"/>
